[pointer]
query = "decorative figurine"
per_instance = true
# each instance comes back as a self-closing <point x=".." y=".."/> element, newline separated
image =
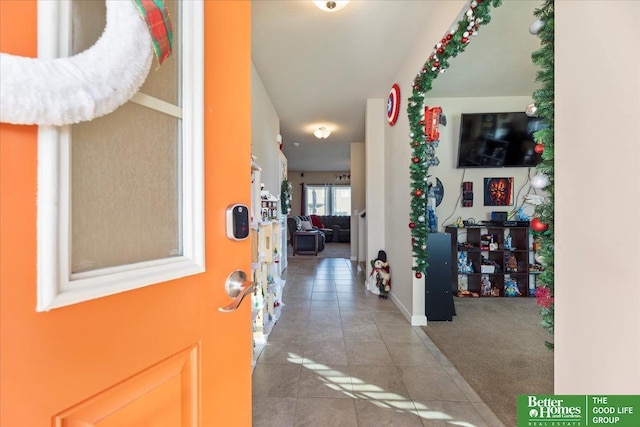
<point x="512" y="264"/>
<point x="464" y="264"/>
<point x="380" y="277"/>
<point x="507" y="242"/>
<point x="485" y="286"/>
<point x="511" y="288"/>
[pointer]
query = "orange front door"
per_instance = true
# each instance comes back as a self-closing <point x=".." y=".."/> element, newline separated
<point x="162" y="355"/>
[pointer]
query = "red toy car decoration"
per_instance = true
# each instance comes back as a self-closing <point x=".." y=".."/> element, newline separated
<point x="432" y="122"/>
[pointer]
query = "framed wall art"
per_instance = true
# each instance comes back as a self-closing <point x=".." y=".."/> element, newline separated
<point x="498" y="191"/>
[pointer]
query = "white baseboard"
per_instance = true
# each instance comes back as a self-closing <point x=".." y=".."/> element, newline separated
<point x="418" y="320"/>
<point x="401" y="307"/>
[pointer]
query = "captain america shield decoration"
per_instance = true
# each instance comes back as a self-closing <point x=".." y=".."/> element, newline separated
<point x="393" y="104"/>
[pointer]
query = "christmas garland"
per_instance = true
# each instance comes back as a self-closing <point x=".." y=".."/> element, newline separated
<point x="63" y="91"/>
<point x="543" y="99"/>
<point x="423" y="154"/>
<point x="285" y="197"/>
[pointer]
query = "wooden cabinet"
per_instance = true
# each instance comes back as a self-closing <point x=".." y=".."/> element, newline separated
<point x="492" y="261"/>
<point x="438" y="296"/>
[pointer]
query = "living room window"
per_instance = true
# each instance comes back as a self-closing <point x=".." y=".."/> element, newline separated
<point x="327" y="199"/>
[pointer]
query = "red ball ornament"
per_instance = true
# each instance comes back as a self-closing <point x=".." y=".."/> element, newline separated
<point x="418" y="193"/>
<point x="418" y="275"/>
<point x="412" y="225"/>
<point x="440" y="50"/>
<point x="416" y="160"/>
<point x="464" y="40"/>
<point x="436" y="64"/>
<point x="537" y="225"/>
<point x="444" y="40"/>
<point x="449" y="36"/>
<point x="539" y="148"/>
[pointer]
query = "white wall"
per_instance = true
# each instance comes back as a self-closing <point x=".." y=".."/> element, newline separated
<point x="451" y="177"/>
<point x="407" y="291"/>
<point x="375" y="181"/>
<point x="265" y="126"/>
<point x="597" y="149"/>
<point x="358" y="170"/>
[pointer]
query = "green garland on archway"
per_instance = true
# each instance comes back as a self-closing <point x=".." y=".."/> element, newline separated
<point x="544" y="102"/>
<point x="423" y="155"/>
<point x="285" y="197"/>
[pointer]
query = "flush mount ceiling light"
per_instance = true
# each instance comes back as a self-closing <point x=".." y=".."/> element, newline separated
<point x="322" y="133"/>
<point x="330" y="6"/>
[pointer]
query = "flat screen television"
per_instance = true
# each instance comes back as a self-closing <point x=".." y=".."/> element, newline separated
<point x="498" y="140"/>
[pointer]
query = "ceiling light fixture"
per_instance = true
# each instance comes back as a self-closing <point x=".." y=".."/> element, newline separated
<point x="330" y="6"/>
<point x="322" y="133"/>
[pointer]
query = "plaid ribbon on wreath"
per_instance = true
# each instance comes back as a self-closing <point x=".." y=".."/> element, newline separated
<point x="156" y="16"/>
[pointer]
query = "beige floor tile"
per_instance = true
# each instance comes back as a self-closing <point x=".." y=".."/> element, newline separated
<point x="351" y="295"/>
<point x="319" y="305"/>
<point x="330" y="311"/>
<point x="386" y="413"/>
<point x="359" y="332"/>
<point x="273" y="411"/>
<point x="288" y="331"/>
<point x="276" y="380"/>
<point x="325" y="352"/>
<point x="411" y="354"/>
<point x="394" y="333"/>
<point x="462" y="384"/>
<point x="325" y="331"/>
<point x="436" y="413"/>
<point x="282" y="352"/>
<point x="355" y="316"/>
<point x="325" y="412"/>
<point x="487" y="414"/>
<point x="324" y="296"/>
<point x="320" y="380"/>
<point x="430" y="383"/>
<point x="340" y="356"/>
<point x="368" y="353"/>
<point x="378" y="382"/>
<point x="324" y="286"/>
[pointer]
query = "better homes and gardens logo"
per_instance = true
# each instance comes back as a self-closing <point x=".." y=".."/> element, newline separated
<point x="578" y="411"/>
<point x="553" y="410"/>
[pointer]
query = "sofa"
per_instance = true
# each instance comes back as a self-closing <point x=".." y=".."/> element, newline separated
<point x="303" y="244"/>
<point x="340" y="227"/>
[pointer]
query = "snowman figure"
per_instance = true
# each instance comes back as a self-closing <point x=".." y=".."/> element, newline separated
<point x="380" y="278"/>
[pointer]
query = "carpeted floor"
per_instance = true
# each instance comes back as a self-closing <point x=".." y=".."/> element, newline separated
<point x="497" y="344"/>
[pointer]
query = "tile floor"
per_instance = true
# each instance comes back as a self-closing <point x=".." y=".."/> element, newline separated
<point x="340" y="356"/>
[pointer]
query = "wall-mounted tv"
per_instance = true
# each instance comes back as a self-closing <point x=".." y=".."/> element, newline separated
<point x="498" y="140"/>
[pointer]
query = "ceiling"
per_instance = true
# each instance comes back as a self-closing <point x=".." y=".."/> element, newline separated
<point x="320" y="68"/>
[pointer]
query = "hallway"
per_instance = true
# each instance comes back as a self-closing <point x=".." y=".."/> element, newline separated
<point x="340" y="356"/>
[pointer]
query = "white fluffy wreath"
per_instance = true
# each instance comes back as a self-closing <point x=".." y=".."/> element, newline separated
<point x="93" y="83"/>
